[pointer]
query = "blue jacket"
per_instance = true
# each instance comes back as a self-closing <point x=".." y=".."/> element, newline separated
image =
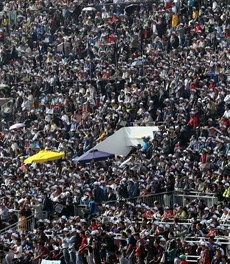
<point x="93" y="208"/>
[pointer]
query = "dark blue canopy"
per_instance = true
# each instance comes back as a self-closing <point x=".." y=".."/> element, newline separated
<point x="93" y="155"/>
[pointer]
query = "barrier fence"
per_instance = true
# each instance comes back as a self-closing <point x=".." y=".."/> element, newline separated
<point x="30" y="223"/>
<point x="209" y="198"/>
<point x="165" y="199"/>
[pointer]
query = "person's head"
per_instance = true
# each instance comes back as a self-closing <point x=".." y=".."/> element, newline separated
<point x="6" y="250"/>
<point x="21" y="214"/>
<point x="172" y="244"/>
<point x="156" y="243"/>
<point x="82" y="234"/>
<point x="218" y="254"/>
<point x="170" y="235"/>
<point x="128" y="232"/>
<point x="137" y="236"/>
<point x="93" y="222"/>
<point x="18" y="241"/>
<point x="41" y="244"/>
<point x="35" y="243"/>
<point x="224" y="259"/>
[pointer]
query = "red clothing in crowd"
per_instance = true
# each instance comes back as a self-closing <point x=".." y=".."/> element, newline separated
<point x="139" y="247"/>
<point x="203" y="158"/>
<point x="82" y="246"/>
<point x="94" y="227"/>
<point x="193" y="122"/>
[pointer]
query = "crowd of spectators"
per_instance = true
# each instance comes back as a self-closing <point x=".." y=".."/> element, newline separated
<point x="76" y="73"/>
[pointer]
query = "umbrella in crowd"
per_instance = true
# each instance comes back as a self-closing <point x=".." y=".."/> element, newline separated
<point x="131" y="8"/>
<point x="89" y="9"/>
<point x="75" y="78"/>
<point x="44" y="156"/>
<point x="94" y="155"/>
<point x="17" y="126"/>
<point x="3" y="86"/>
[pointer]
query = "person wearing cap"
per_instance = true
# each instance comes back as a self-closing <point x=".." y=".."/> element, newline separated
<point x="168" y="214"/>
<point x="183" y="259"/>
<point x="56" y="253"/>
<point x="94" y="243"/>
<point x="225" y="215"/>
<point x="72" y="246"/>
<point x="204" y="254"/>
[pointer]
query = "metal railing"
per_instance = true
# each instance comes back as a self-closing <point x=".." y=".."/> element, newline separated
<point x="165" y="199"/>
<point x="209" y="198"/>
<point x="30" y="222"/>
<point x="196" y="240"/>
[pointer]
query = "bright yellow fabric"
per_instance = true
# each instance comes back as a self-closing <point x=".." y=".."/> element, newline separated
<point x="44" y="156"/>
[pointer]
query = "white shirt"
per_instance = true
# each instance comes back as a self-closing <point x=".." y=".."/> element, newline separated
<point x="18" y="250"/>
<point x="226" y="114"/>
<point x="65" y="242"/>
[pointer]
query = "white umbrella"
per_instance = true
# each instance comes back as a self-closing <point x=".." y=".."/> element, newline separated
<point x="20" y="16"/>
<point x="89" y="8"/>
<point x="3" y="86"/>
<point x="16" y="126"/>
<point x="33" y="8"/>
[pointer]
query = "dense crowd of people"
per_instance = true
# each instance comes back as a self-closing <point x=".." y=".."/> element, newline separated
<point x="78" y="72"/>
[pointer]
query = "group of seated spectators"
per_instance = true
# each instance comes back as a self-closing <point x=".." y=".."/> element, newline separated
<point x="72" y="74"/>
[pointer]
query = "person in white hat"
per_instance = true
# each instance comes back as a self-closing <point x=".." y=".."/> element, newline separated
<point x="204" y="253"/>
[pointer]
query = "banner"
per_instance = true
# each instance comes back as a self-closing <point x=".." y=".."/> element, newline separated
<point x="44" y="261"/>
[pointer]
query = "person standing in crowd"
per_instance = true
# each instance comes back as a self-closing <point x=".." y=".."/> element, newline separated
<point x="82" y="252"/>
<point x="183" y="259"/>
<point x="9" y="255"/>
<point x="92" y="207"/>
<point x="65" y="245"/>
<point x="22" y="223"/>
<point x="131" y="244"/>
<point x="140" y="251"/>
<point x="74" y="73"/>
